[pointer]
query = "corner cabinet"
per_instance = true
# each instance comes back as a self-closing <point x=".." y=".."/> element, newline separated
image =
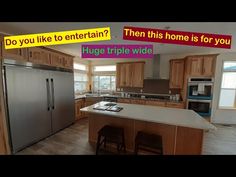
<point x="130" y="74"/>
<point x="176" y="73"/>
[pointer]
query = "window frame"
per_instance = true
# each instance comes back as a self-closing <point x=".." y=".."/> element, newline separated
<point x="82" y="72"/>
<point x="103" y="91"/>
<point x="222" y="73"/>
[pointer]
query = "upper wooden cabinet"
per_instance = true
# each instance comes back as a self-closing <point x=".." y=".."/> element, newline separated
<point x="203" y="65"/>
<point x="39" y="56"/>
<point x="176" y="73"/>
<point x="130" y="74"/>
<point x="17" y="54"/>
<point x="137" y="74"/>
<point x="68" y="62"/>
<point x="57" y="59"/>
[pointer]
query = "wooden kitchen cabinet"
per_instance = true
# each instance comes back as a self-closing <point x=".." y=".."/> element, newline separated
<point x="137" y="74"/>
<point x="209" y="65"/>
<point x="39" y="56"/>
<point x="156" y="103"/>
<point x="130" y="74"/>
<point x="123" y="100"/>
<point x="203" y="65"/>
<point x="137" y="101"/>
<point x="80" y="103"/>
<point x="176" y="73"/>
<point x="68" y="62"/>
<point x="194" y="65"/>
<point x="16" y="54"/>
<point x="57" y="59"/>
<point x="179" y="105"/>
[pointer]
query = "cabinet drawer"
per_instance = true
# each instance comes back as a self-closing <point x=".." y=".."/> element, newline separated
<point x="156" y="103"/>
<point x="175" y="105"/>
<point x="120" y="100"/>
<point x="138" y="102"/>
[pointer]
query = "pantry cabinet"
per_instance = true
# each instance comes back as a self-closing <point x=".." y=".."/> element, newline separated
<point x="176" y="73"/>
<point x="203" y="65"/>
<point x="130" y="74"/>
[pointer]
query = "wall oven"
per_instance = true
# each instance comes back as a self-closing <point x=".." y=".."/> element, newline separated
<point x="202" y="107"/>
<point x="200" y="88"/>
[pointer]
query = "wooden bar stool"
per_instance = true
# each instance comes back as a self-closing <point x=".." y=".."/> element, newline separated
<point x="111" y="134"/>
<point x="148" y="142"/>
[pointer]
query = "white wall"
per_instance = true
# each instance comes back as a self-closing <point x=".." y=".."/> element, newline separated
<point x="221" y="115"/>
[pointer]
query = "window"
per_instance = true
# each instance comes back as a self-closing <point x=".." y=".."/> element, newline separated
<point x="105" y="68"/>
<point x="80" y="78"/>
<point x="104" y="83"/>
<point x="104" y="79"/>
<point x="228" y="85"/>
<point x="80" y="67"/>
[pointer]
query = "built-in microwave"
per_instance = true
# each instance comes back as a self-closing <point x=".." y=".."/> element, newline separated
<point x="202" y="107"/>
<point x="200" y="88"/>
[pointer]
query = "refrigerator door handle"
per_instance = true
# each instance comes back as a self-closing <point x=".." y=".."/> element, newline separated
<point x="52" y="91"/>
<point x="48" y="94"/>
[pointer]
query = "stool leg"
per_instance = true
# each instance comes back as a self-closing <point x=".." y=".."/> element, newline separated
<point x="98" y="144"/>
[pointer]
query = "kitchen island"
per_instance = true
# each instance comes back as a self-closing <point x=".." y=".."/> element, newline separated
<point x="182" y="130"/>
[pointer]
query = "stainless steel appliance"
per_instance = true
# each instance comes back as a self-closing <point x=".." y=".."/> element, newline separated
<point x="39" y="101"/>
<point x="202" y="107"/>
<point x="200" y="88"/>
<point x="200" y="94"/>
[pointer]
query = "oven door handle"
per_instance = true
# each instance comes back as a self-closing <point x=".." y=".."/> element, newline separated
<point x="200" y="101"/>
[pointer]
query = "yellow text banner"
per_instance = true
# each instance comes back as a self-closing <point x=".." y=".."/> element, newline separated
<point x="56" y="38"/>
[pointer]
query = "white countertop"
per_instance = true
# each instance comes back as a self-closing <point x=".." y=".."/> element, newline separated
<point x="164" y="115"/>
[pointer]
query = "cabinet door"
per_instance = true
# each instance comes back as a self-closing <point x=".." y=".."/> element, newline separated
<point x="78" y="105"/>
<point x="175" y="105"/>
<point x="39" y="56"/>
<point x="16" y="54"/>
<point x="57" y="60"/>
<point x="118" y="75"/>
<point x="68" y="62"/>
<point x="156" y="103"/>
<point x="122" y="78"/>
<point x="195" y="66"/>
<point x="137" y="74"/>
<point x="176" y="73"/>
<point x="208" y="66"/>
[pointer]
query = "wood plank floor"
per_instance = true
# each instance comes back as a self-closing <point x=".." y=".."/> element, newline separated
<point x="74" y="141"/>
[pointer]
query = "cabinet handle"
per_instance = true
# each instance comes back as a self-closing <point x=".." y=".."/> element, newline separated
<point x="30" y="54"/>
<point x="20" y="53"/>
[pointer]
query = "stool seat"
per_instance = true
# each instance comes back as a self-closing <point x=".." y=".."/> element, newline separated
<point x="148" y="142"/>
<point x="111" y="134"/>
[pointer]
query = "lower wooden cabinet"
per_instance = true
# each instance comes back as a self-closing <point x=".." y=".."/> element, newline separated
<point x="156" y="103"/>
<point x="134" y="101"/>
<point x="80" y="103"/>
<point x="179" y="105"/>
<point x="123" y="100"/>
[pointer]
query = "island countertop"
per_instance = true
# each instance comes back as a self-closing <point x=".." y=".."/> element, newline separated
<point x="155" y="114"/>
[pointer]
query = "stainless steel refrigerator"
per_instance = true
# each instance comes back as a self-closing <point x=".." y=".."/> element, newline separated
<point x="39" y="101"/>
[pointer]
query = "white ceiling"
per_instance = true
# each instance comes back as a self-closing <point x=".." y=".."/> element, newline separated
<point x="228" y="28"/>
